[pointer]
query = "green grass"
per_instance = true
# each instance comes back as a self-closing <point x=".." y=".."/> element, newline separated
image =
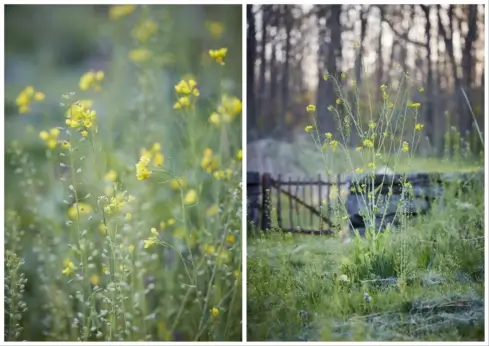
<point x="93" y="253"/>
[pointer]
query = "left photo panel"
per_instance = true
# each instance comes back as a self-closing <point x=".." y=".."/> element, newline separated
<point x="123" y="173"/>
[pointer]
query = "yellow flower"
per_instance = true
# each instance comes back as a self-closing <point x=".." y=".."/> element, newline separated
<point x="182" y="102"/>
<point x="171" y="222"/>
<point x="330" y="108"/>
<point x="229" y="108"/>
<point x="119" y="11"/>
<point x="239" y="155"/>
<point x="328" y="135"/>
<point x="343" y="75"/>
<point x="418" y="127"/>
<point x="209" y="161"/>
<point x="325" y="77"/>
<point x="405" y="146"/>
<point x="359" y="171"/>
<point x="214" y="312"/>
<point x="130" y="248"/>
<point x="359" y="148"/>
<point x="231" y="239"/>
<point x="69" y="267"/>
<point x="308" y="128"/>
<point x="216" y="29"/>
<point x="84" y="133"/>
<point x="223" y="175"/>
<point x="334" y="144"/>
<point x="421" y="90"/>
<point x="371" y="165"/>
<point x="94" y="280"/>
<point x="372" y="125"/>
<point x="187" y="87"/>
<point x="144" y="30"/>
<point x="178" y="183"/>
<point x="142" y="171"/>
<point x="218" y="55"/>
<point x="39" y="96"/>
<point x="140" y="54"/>
<point x="215" y="119"/>
<point x="91" y="79"/>
<point x="83" y="208"/>
<point x="212" y="210"/>
<point x="51" y="137"/>
<point x="311" y="108"/>
<point x="190" y="197"/>
<point x="128" y="217"/>
<point x="383" y="87"/>
<point x="154" y="232"/>
<point x="338" y="101"/>
<point x="367" y="143"/>
<point x="414" y="105"/>
<point x="150" y="242"/>
<point x="111" y="176"/>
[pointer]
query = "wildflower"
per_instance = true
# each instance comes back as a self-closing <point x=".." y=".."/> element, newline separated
<point x="119" y="11"/>
<point x="150" y="241"/>
<point x="311" y="108"/>
<point x="116" y="204"/>
<point x="359" y="149"/>
<point x="171" y="222"/>
<point x="330" y="108"/>
<point x="140" y="54"/>
<point x="144" y="30"/>
<point x="178" y="183"/>
<point x="69" y="267"/>
<point x="190" y="197"/>
<point x="130" y="248"/>
<point x="142" y="171"/>
<point x="325" y="77"/>
<point x="367" y="143"/>
<point x="128" y="217"/>
<point x="215" y="118"/>
<point x="154" y="154"/>
<point x="95" y="279"/>
<point x="372" y="125"/>
<point x="182" y="102"/>
<point x="328" y="135"/>
<point x="371" y="165"/>
<point x="102" y="228"/>
<point x="209" y="249"/>
<point x="91" y="79"/>
<point x="414" y="105"/>
<point x="154" y="231"/>
<point x="51" y="137"/>
<point x="218" y="55"/>
<point x="421" y="90"/>
<point x="338" y="101"/>
<point x="383" y="87"/>
<point x="239" y="155"/>
<point x="231" y="239"/>
<point x="80" y="116"/>
<point x="343" y="75"/>
<point x="405" y="146"/>
<point x="26" y="96"/>
<point x="334" y="144"/>
<point x="308" y="128"/>
<point x="209" y="161"/>
<point x="214" y="312"/>
<point x="212" y="210"/>
<point x="359" y="171"/>
<point x="65" y="144"/>
<point x="111" y="176"/>
<point x="223" y="175"/>
<point x="229" y="108"/>
<point x="187" y="87"/>
<point x="84" y="133"/>
<point x="418" y="127"/>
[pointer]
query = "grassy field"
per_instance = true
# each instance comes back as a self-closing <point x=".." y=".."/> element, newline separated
<point x="423" y="283"/>
<point x="422" y="280"/>
<point x="123" y="174"/>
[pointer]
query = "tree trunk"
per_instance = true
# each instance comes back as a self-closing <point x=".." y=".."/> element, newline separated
<point x="250" y="74"/>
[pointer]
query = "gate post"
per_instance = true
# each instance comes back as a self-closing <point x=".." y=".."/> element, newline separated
<point x="266" y="183"/>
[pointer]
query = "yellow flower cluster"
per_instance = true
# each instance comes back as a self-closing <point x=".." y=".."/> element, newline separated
<point x="51" y="137"/>
<point x="227" y="110"/>
<point x="117" y="203"/>
<point x="144" y="30"/>
<point x="119" y="11"/>
<point x="186" y="88"/>
<point x="311" y="108"/>
<point x="218" y="55"/>
<point x="209" y="161"/>
<point x="142" y="170"/>
<point x="80" y="115"/>
<point x="69" y="267"/>
<point x="178" y="183"/>
<point x="91" y="80"/>
<point x="224" y="174"/>
<point x="190" y="198"/>
<point x="154" y="239"/>
<point x="25" y="98"/>
<point x="154" y="154"/>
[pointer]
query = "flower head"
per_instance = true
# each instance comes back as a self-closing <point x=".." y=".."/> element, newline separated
<point x="119" y="11"/>
<point x="91" y="80"/>
<point x="51" y="137"/>
<point x="311" y="108"/>
<point x="218" y="55"/>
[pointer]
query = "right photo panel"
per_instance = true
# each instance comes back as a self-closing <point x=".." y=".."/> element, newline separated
<point x="365" y="172"/>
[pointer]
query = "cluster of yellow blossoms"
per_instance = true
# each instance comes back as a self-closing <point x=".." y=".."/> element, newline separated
<point x="218" y="55"/>
<point x="186" y="88"/>
<point x="209" y="161"/>
<point x="147" y="156"/>
<point x="144" y="30"/>
<point x="119" y="11"/>
<point x="25" y="98"/>
<point x="81" y="116"/>
<point x="227" y="110"/>
<point x="91" y="80"/>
